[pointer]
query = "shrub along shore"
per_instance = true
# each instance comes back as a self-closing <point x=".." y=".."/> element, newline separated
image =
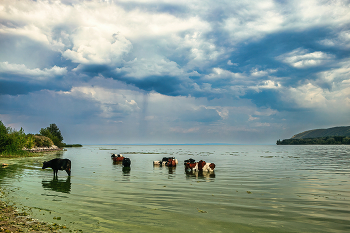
<point x="18" y="144"/>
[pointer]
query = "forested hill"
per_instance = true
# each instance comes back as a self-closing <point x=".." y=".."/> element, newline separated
<point x="332" y="136"/>
<point x="319" y="133"/>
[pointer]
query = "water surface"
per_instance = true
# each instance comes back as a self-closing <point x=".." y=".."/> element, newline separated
<point x="253" y="188"/>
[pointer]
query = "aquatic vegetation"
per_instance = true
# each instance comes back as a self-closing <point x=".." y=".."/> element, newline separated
<point x="202" y="211"/>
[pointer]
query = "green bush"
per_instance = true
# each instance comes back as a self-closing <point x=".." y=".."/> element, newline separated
<point x="43" y="141"/>
<point x="11" y="141"/>
<point x="30" y="141"/>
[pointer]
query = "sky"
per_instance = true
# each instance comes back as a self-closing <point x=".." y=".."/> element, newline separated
<point x="175" y="72"/>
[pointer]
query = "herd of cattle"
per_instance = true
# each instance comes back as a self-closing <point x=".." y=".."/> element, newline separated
<point x="190" y="164"/>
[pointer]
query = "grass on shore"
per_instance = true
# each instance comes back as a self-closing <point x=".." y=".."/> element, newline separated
<point x="26" y="154"/>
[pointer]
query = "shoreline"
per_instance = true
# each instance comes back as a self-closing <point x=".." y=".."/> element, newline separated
<point x="14" y="220"/>
<point x="11" y="220"/>
<point x="43" y="149"/>
<point x="35" y="152"/>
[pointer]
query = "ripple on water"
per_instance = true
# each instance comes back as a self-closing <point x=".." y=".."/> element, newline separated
<point x="253" y="188"/>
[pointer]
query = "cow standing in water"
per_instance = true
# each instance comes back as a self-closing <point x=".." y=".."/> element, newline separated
<point x="58" y="164"/>
<point x="126" y="162"/>
<point x="199" y="166"/>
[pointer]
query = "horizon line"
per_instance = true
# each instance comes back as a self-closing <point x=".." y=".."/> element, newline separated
<point x="174" y="144"/>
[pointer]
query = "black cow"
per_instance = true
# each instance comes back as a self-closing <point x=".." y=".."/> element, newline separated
<point x="58" y="164"/>
<point x="126" y="162"/>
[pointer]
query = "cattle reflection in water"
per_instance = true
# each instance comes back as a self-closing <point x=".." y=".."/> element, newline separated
<point x="199" y="175"/>
<point x="58" y="185"/>
<point x="118" y="163"/>
<point x="126" y="171"/>
<point x="171" y="170"/>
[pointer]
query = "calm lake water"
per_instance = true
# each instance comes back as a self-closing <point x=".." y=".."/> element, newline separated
<point x="253" y="189"/>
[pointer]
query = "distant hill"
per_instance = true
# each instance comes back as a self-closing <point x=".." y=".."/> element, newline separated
<point x="319" y="133"/>
<point x="332" y="136"/>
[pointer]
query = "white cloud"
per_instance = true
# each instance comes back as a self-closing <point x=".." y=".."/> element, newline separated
<point x="265" y="112"/>
<point x="308" y="96"/>
<point x="269" y="84"/>
<point x="112" y="102"/>
<point x="251" y="118"/>
<point x="261" y="124"/>
<point x="315" y="12"/>
<point x="219" y="73"/>
<point x="335" y="76"/>
<point x="342" y="40"/>
<point x="231" y="64"/>
<point x="330" y="92"/>
<point x="143" y="67"/>
<point x="313" y="97"/>
<point x="253" y="20"/>
<point x="139" y="41"/>
<point x="259" y="73"/>
<point x="19" y="71"/>
<point x="184" y="131"/>
<point x="223" y="112"/>
<point x="93" y="46"/>
<point x="98" y="32"/>
<point x="302" y="58"/>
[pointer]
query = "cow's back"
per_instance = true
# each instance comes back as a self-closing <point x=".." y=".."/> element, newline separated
<point x="60" y="164"/>
<point x="64" y="164"/>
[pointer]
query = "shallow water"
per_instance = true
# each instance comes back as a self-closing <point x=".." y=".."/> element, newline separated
<point x="253" y="188"/>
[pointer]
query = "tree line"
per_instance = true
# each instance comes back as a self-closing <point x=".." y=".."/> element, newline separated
<point x="329" y="140"/>
<point x="13" y="141"/>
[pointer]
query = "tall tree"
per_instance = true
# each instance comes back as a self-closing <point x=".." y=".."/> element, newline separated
<point x="54" y="133"/>
<point x="3" y="136"/>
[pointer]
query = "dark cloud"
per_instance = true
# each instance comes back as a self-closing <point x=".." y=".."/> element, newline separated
<point x="93" y="70"/>
<point x="166" y="85"/>
<point x="264" y="52"/>
<point x="49" y="104"/>
<point x="20" y="85"/>
<point x="224" y="64"/>
<point x="33" y="54"/>
<point x="18" y="88"/>
<point x="270" y="99"/>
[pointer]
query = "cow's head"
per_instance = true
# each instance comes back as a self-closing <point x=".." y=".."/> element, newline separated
<point x="212" y="166"/>
<point x="190" y="165"/>
<point x="45" y="165"/>
<point x="201" y="164"/>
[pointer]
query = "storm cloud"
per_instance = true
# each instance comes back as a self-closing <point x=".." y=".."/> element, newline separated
<point x="175" y="72"/>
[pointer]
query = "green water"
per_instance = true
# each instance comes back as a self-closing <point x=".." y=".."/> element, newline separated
<point x="253" y="189"/>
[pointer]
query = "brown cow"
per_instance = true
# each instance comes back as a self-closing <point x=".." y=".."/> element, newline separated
<point x="200" y="166"/>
